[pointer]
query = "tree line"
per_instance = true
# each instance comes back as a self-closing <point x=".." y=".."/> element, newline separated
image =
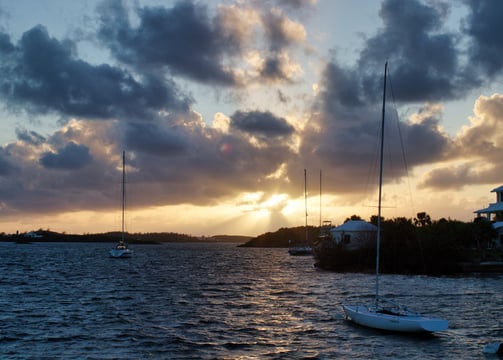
<point x="416" y="246"/>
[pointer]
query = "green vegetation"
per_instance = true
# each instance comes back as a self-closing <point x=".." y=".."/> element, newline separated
<point x="434" y="247"/>
<point x="408" y="246"/>
<point x="424" y="246"/>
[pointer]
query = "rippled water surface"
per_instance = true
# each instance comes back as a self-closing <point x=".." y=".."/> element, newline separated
<point x="218" y="301"/>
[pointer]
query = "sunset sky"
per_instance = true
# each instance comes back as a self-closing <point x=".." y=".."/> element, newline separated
<point x="221" y="105"/>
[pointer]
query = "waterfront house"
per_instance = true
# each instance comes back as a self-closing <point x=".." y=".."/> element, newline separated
<point x="494" y="213"/>
<point x="354" y="234"/>
<point x="32" y="235"/>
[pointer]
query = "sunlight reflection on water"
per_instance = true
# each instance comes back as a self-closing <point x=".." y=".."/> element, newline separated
<point x="219" y="301"/>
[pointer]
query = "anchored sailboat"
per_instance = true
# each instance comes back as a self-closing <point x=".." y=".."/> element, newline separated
<point x="383" y="314"/>
<point x="303" y="248"/>
<point x="121" y="250"/>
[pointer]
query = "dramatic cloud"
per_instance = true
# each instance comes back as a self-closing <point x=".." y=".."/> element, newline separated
<point x="475" y="151"/>
<point x="261" y="123"/>
<point x="423" y="57"/>
<point x="342" y="89"/>
<point x="281" y="33"/>
<point x="177" y="160"/>
<point x="184" y="38"/>
<point x="297" y="4"/>
<point x="154" y="139"/>
<point x="424" y="138"/>
<point x="42" y="74"/>
<point x="484" y="26"/>
<point x="187" y="41"/>
<point x="451" y="177"/>
<point x="425" y="66"/>
<point x="5" y="165"/>
<point x="426" y="61"/>
<point x="30" y="137"/>
<point x="72" y="156"/>
<point x="275" y="117"/>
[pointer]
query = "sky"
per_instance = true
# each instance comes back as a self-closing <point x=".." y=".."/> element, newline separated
<point x="221" y="105"/>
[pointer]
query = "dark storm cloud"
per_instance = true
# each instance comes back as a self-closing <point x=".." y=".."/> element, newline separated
<point x="154" y="139"/>
<point x="273" y="69"/>
<point x="42" y="74"/>
<point x="261" y="123"/>
<point x="349" y="135"/>
<point x="296" y="4"/>
<point x="183" y="38"/>
<point x="5" y="164"/>
<point x="185" y="160"/>
<point x="6" y="46"/>
<point x="211" y="164"/>
<point x="73" y="156"/>
<point x="485" y="27"/>
<point x="425" y="142"/>
<point x="423" y="57"/>
<point x="342" y="89"/>
<point x="30" y="137"/>
<point x="178" y="159"/>
<point x="425" y="65"/>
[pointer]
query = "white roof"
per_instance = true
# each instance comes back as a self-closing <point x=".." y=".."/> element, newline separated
<point x="355" y="225"/>
<point x="494" y="207"/>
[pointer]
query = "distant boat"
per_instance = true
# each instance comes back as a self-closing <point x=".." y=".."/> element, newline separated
<point x="302" y="249"/>
<point x="299" y="250"/>
<point x="121" y="250"/>
<point x="382" y="314"/>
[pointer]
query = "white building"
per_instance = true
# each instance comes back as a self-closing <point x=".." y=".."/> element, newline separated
<point x="354" y="234"/>
<point x="494" y="212"/>
<point x="32" y="234"/>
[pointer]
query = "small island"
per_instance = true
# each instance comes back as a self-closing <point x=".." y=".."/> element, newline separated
<point x="113" y="237"/>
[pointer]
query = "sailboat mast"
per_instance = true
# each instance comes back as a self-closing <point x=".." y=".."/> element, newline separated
<point x="320" y="199"/>
<point x="305" y="203"/>
<point x="378" y="245"/>
<point x="123" y="190"/>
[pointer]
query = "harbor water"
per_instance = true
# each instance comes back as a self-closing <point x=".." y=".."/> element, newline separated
<point x="220" y="301"/>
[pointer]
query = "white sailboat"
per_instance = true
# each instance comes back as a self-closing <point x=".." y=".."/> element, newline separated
<point x="304" y="248"/>
<point x="382" y="314"/>
<point x="121" y="250"/>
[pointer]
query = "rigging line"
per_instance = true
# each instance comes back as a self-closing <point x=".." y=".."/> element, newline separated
<point x="126" y="192"/>
<point x="372" y="169"/>
<point x="320" y="198"/>
<point x="124" y="219"/>
<point x="404" y="158"/>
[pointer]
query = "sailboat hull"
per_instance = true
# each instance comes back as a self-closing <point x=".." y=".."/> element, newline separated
<point x="300" y="251"/>
<point x="120" y="253"/>
<point x="406" y="322"/>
